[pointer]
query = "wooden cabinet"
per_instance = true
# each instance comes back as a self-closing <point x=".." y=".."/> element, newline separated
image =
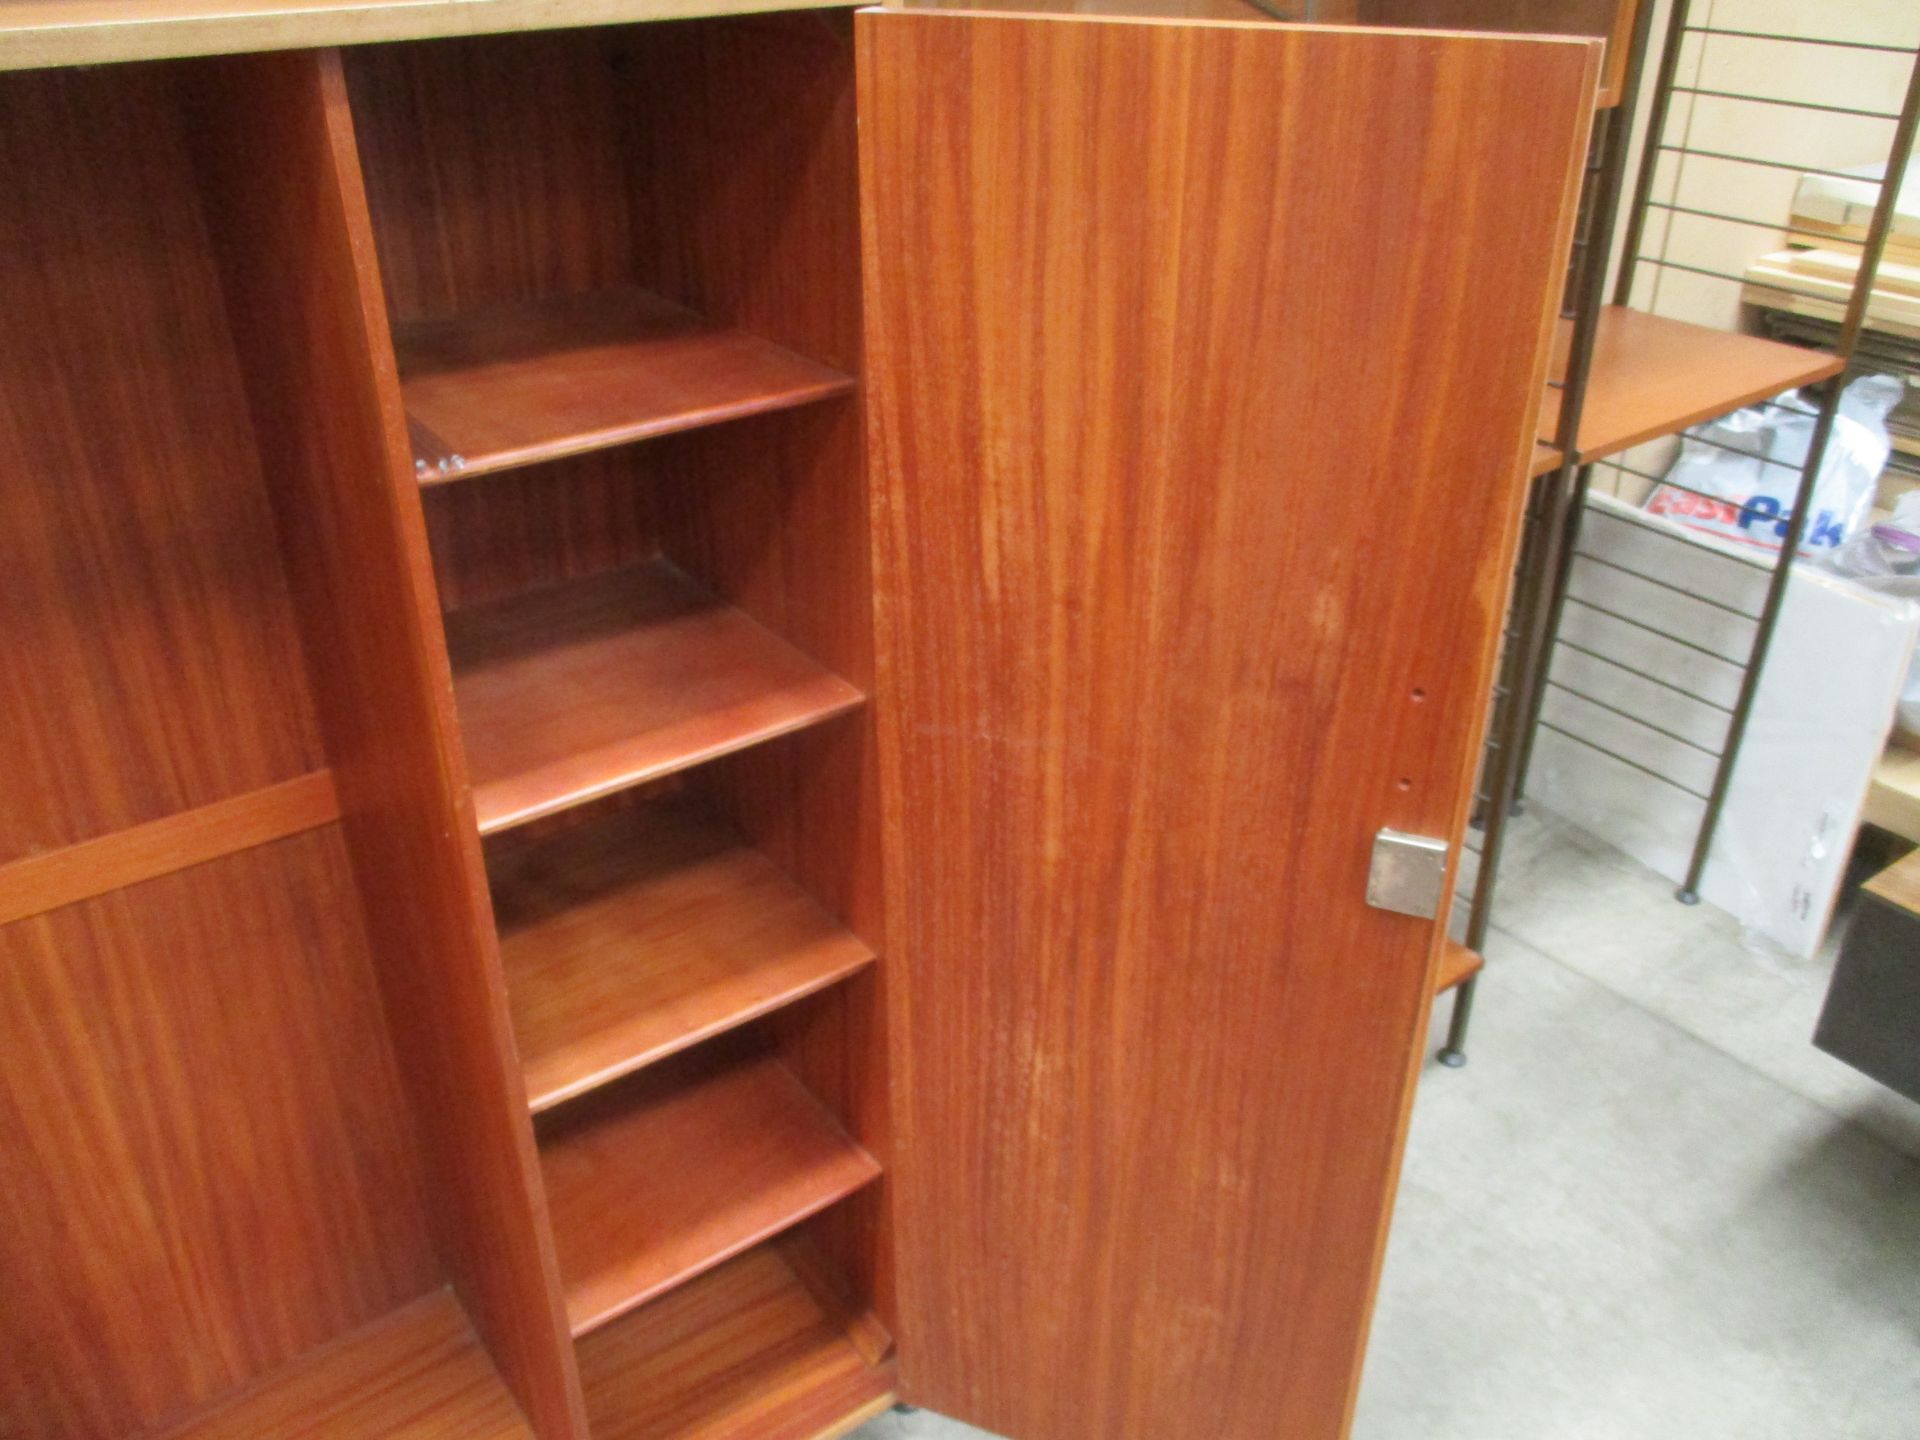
<point x="694" y="710"/>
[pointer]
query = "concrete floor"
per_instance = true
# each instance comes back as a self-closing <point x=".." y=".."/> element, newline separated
<point x="1648" y="1207"/>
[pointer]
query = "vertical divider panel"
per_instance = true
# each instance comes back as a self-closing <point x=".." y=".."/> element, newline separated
<point x="287" y="203"/>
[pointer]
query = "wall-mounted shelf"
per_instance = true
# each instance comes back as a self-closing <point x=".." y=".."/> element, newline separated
<point x="587" y="688"/>
<point x="745" y="1350"/>
<point x="634" y="937"/>
<point x="420" y="1371"/>
<point x="521" y="383"/>
<point x="654" y="1181"/>
<point x="1653" y="377"/>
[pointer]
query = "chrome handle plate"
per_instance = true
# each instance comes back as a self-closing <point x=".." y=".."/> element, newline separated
<point x="1408" y="875"/>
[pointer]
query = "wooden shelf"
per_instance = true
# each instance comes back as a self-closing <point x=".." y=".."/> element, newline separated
<point x="1457" y="965"/>
<point x="654" y="1181"/>
<point x="1893" y="800"/>
<point x="628" y="940"/>
<point x="743" y="1353"/>
<point x="1653" y="376"/>
<point x="590" y="687"/>
<point x="1899" y="884"/>
<point x="417" y="1374"/>
<point x="535" y="380"/>
<point x="1546" y="460"/>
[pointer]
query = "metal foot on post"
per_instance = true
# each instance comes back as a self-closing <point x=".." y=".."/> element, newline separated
<point x="1453" y="1054"/>
<point x="906" y="1409"/>
<point x="1686" y="896"/>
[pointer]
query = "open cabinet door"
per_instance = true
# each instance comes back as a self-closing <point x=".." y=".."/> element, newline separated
<point x="1204" y="363"/>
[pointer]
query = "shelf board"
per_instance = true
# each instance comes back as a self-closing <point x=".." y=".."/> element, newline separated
<point x="628" y="940"/>
<point x="591" y="687"/>
<point x="1653" y="377"/>
<point x="1893" y="800"/>
<point x="1546" y="460"/>
<point x="1457" y="965"/>
<point x="522" y="383"/>
<point x="684" y="1166"/>
<point x="742" y="1353"/>
<point x="417" y="1374"/>
<point x="1899" y="884"/>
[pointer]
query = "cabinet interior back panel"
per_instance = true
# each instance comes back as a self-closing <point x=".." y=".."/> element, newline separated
<point x="208" y="1162"/>
<point x="148" y="658"/>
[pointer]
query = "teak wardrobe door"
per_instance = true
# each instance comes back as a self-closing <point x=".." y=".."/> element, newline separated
<point x="1204" y="362"/>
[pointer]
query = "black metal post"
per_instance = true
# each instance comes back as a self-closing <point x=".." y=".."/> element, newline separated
<point x="1881" y="227"/>
<point x="1538" y="600"/>
<point x="1650" y="153"/>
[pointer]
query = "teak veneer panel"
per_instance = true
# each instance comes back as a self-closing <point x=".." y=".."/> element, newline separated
<point x="682" y="1167"/>
<point x="597" y="685"/>
<point x="1609" y="20"/>
<point x="160" y="847"/>
<point x="417" y="1374"/>
<point x="277" y="152"/>
<point x="536" y="380"/>
<point x="633" y="938"/>
<point x="149" y="663"/>
<point x="1652" y="376"/>
<point x="209" y="1164"/>
<point x="1168" y="423"/>
<point x="741" y="1353"/>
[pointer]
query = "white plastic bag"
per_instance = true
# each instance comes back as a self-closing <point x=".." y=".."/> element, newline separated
<point x="1745" y="499"/>
<point x="1886" y="558"/>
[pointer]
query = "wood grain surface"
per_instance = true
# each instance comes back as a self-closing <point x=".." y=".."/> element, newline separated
<point x="1457" y="965"/>
<point x="277" y="152"/>
<point x="587" y="688"/>
<point x="37" y="33"/>
<point x="148" y="659"/>
<point x="746" y="136"/>
<point x="1899" y="884"/>
<point x="634" y="936"/>
<point x="419" y="1373"/>
<point x="160" y="847"/>
<point x="682" y="1167"/>
<point x="1168" y="429"/>
<point x="484" y="189"/>
<point x="527" y="529"/>
<point x="1609" y="20"/>
<point x="1653" y="376"/>
<point x="534" y="380"/>
<point x="742" y="1353"/>
<point x="209" y="1161"/>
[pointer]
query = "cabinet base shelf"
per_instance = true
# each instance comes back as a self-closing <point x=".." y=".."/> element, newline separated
<point x="745" y="1352"/>
<point x="417" y="1374"/>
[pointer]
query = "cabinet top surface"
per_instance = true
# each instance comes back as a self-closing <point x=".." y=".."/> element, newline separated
<point x="41" y="34"/>
<point x="37" y="34"/>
